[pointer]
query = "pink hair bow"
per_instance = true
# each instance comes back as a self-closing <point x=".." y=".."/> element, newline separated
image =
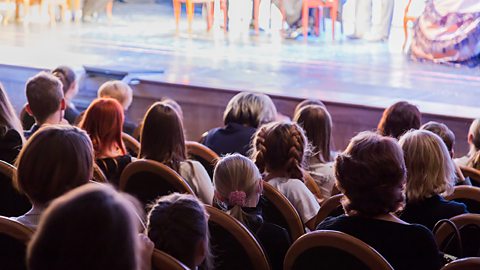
<point x="237" y="198"/>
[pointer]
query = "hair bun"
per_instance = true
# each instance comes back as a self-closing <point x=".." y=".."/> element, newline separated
<point x="237" y="198"/>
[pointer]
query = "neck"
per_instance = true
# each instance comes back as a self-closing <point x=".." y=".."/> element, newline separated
<point x="53" y="119"/>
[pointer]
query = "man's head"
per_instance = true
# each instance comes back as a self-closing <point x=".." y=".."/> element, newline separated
<point x="45" y="98"/>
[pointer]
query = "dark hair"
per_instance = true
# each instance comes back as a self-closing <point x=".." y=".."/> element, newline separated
<point x="371" y="174"/>
<point x="162" y="136"/>
<point x="54" y="160"/>
<point x="443" y="131"/>
<point x="103" y="121"/>
<point x="177" y="223"/>
<point x="317" y="123"/>
<point x="92" y="227"/>
<point x="44" y="95"/>
<point x="308" y="102"/>
<point x="8" y="117"/>
<point x="66" y="75"/>
<point x="398" y="119"/>
<point x="280" y="146"/>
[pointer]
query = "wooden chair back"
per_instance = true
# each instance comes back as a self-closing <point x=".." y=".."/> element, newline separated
<point x="148" y="179"/>
<point x="98" y="175"/>
<point x="201" y="153"/>
<point x="472" y="263"/>
<point x="14" y="239"/>
<point x="331" y="207"/>
<point x="12" y="202"/>
<point x="469" y="229"/>
<point x="132" y="145"/>
<point x="468" y="195"/>
<point x="234" y="246"/>
<point x="161" y="260"/>
<point x="278" y="210"/>
<point x="333" y="250"/>
<point x="471" y="173"/>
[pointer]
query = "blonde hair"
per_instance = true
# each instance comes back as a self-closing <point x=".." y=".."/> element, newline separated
<point x="118" y="90"/>
<point x="8" y="117"/>
<point x="236" y="178"/>
<point x="280" y="146"/>
<point x="253" y="109"/>
<point x="474" y="152"/>
<point x="430" y="169"/>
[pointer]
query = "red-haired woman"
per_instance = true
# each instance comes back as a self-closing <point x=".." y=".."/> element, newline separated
<point x="103" y="121"/>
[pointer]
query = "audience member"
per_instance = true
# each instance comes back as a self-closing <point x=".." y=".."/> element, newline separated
<point x="11" y="132"/>
<point x="91" y="227"/>
<point x="123" y="93"/>
<point x="70" y="89"/>
<point x="472" y="159"/>
<point x="238" y="189"/>
<point x="307" y="102"/>
<point x="245" y="112"/>
<point x="317" y="123"/>
<point x="103" y="121"/>
<point x="162" y="139"/>
<point x="371" y="174"/>
<point x="398" y="119"/>
<point x="279" y="151"/>
<point x="45" y="99"/>
<point x="54" y="160"/>
<point x="178" y="226"/>
<point x="448" y="138"/>
<point x="430" y="173"/>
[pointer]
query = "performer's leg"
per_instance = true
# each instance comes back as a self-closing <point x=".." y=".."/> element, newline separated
<point x="386" y="18"/>
<point x="293" y="10"/>
<point x="363" y="17"/>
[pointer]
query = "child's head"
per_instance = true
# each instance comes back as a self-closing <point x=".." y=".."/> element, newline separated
<point x="91" y="227"/>
<point x="162" y="136"/>
<point x="118" y="90"/>
<point x="68" y="78"/>
<point x="178" y="225"/>
<point x="45" y="98"/>
<point x="251" y="109"/>
<point x="317" y="123"/>
<point x="238" y="183"/>
<point x="398" y="119"/>
<point x="103" y="121"/>
<point x="430" y="168"/>
<point x="443" y="132"/>
<point x="280" y="148"/>
<point x="55" y="160"/>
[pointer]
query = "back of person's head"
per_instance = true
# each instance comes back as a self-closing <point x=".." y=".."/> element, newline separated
<point x="118" y="90"/>
<point x="443" y="132"/>
<point x="103" y="121"/>
<point x="307" y="102"/>
<point x="251" y="109"/>
<point x="398" y="119"/>
<point x="371" y="174"/>
<point x="54" y="160"/>
<point x="67" y="76"/>
<point x="162" y="137"/>
<point x="280" y="147"/>
<point x="178" y="225"/>
<point x="92" y="227"/>
<point x="238" y="183"/>
<point x="317" y="123"/>
<point x="474" y="142"/>
<point x="430" y="168"/>
<point x="44" y="95"/>
<point x="174" y="105"/>
<point x="8" y="117"/>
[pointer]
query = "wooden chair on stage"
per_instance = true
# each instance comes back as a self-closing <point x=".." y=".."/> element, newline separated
<point x="319" y="5"/>
<point x="190" y="5"/>
<point x="7" y="7"/>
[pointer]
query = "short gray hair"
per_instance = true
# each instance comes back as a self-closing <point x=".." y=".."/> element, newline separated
<point x="253" y="109"/>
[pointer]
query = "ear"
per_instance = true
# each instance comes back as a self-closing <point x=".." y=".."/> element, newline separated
<point x="28" y="110"/>
<point x="200" y="252"/>
<point x="63" y="105"/>
<point x="470" y="138"/>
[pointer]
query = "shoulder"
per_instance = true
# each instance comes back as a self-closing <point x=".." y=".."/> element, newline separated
<point x="332" y="222"/>
<point x="454" y="206"/>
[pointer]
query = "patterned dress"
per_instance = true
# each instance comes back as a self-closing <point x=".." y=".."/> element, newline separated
<point x="442" y="35"/>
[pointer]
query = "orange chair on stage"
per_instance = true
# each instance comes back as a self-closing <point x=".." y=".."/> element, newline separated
<point x="177" y="9"/>
<point x="318" y="4"/>
<point x="406" y="19"/>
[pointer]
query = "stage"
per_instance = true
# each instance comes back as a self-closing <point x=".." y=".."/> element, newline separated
<point x="356" y="79"/>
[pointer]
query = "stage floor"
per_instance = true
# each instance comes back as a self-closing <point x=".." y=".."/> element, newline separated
<point x="142" y="39"/>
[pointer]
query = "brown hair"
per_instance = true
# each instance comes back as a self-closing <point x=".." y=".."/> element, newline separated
<point x="371" y="174"/>
<point x="252" y="109"/>
<point x="8" y="117"/>
<point x="162" y="136"/>
<point x="103" y="121"/>
<point x="44" y="95"/>
<point x="66" y="75"/>
<point x="54" y="160"/>
<point x="176" y="224"/>
<point x="307" y="102"/>
<point x="443" y="132"/>
<point x="430" y="167"/>
<point x="317" y="123"/>
<point x="398" y="119"/>
<point x="280" y="147"/>
<point x="92" y="227"/>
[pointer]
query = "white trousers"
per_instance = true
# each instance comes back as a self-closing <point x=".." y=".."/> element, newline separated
<point x="374" y="17"/>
